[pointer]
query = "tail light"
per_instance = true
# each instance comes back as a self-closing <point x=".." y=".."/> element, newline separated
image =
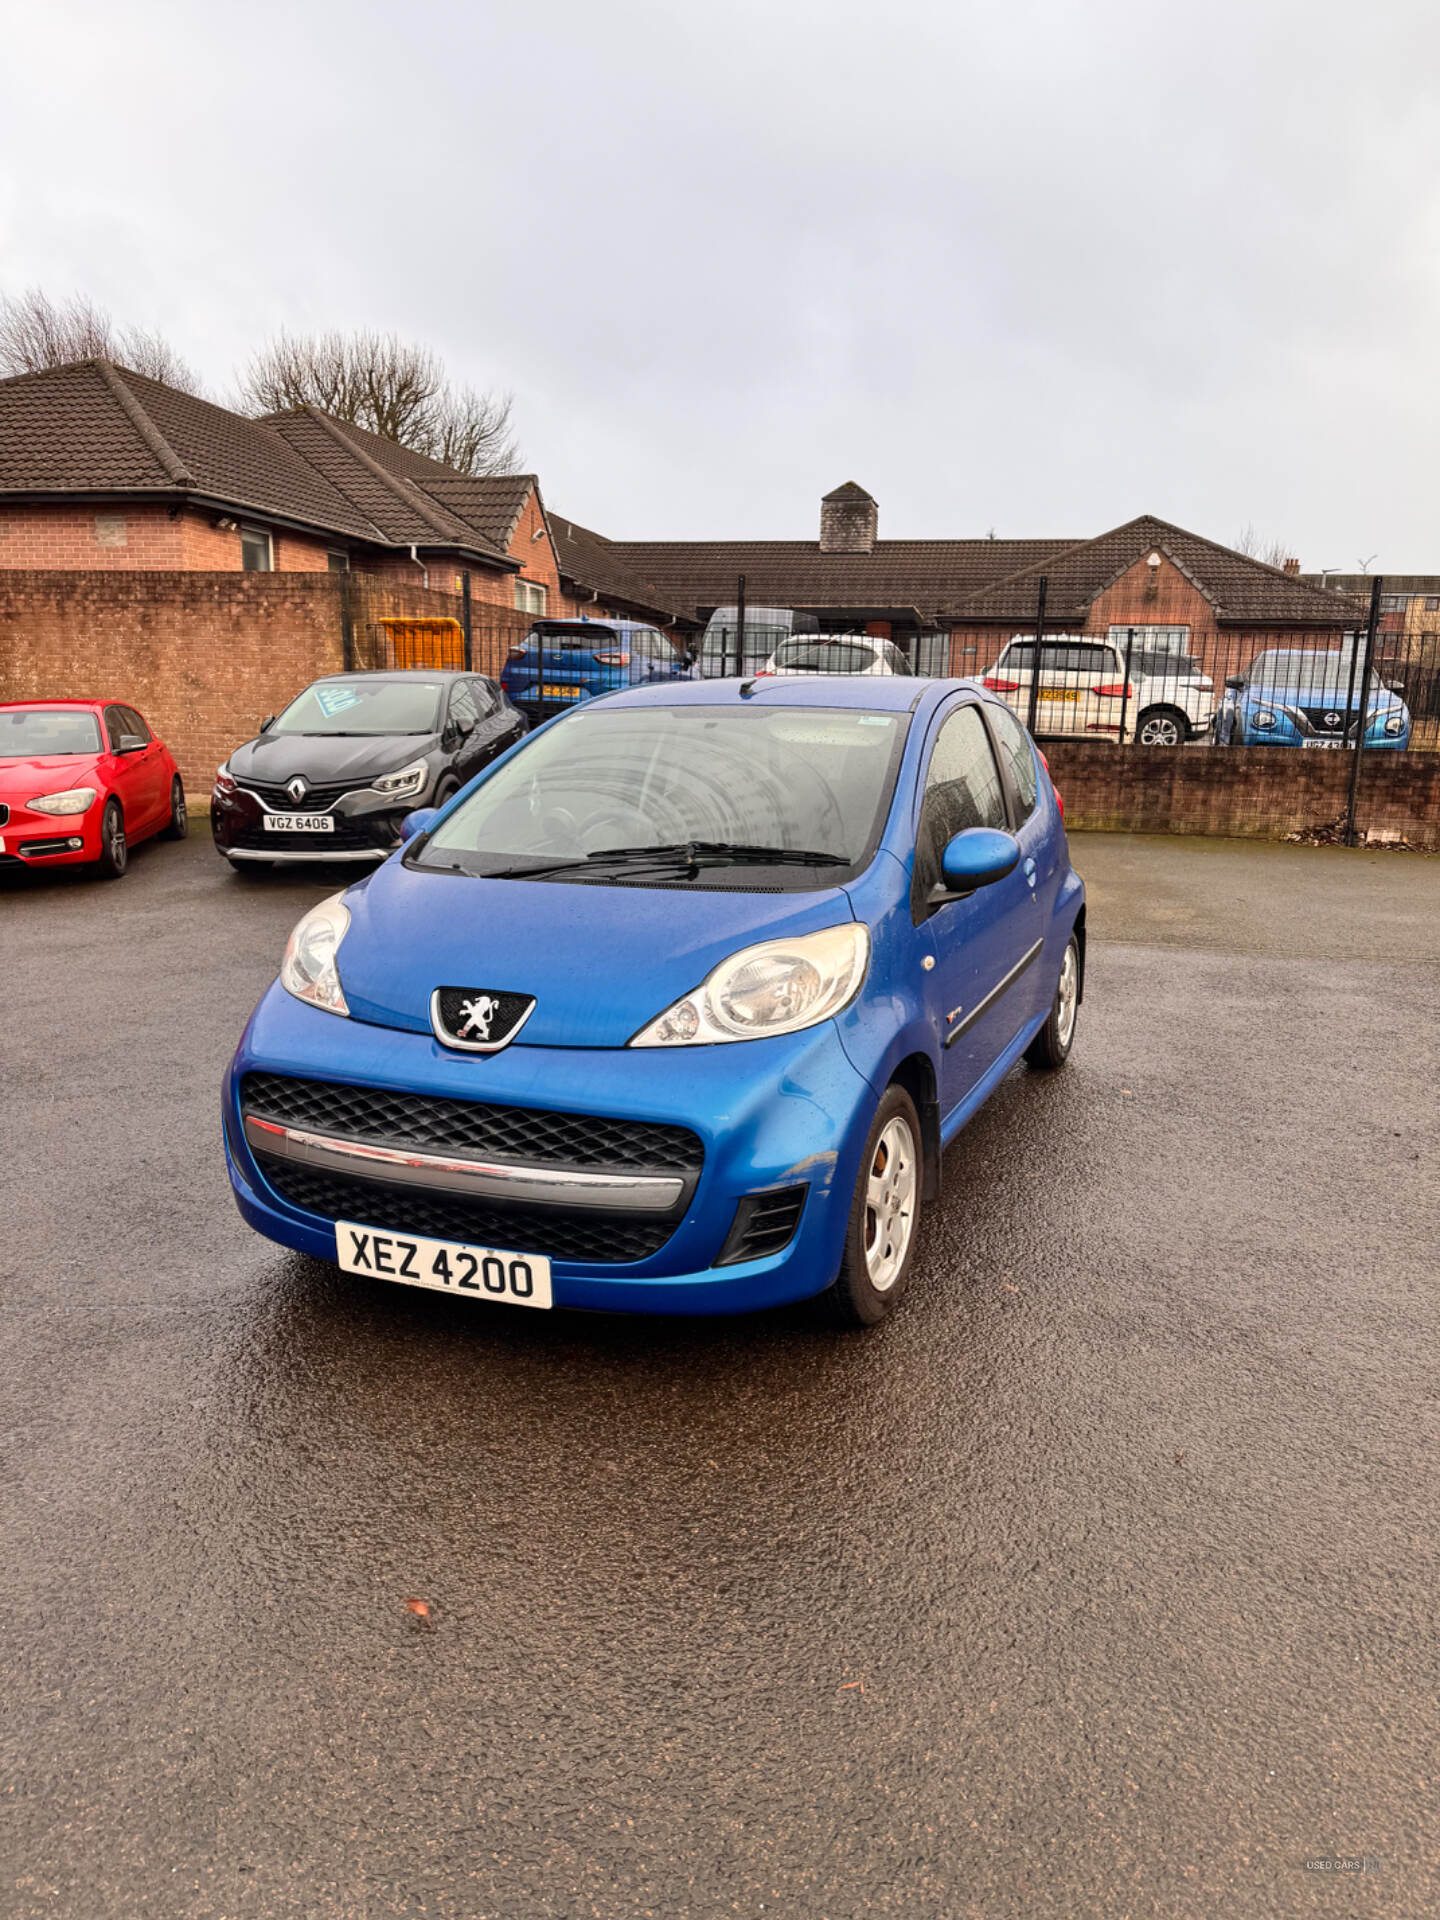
<point x="1114" y="690"/>
<point x="613" y="659"/>
<point x="1001" y="686"/>
<point x="1059" y="797"/>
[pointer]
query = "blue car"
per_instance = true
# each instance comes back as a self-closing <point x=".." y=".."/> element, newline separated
<point x="561" y="662"/>
<point x="674" y="1007"/>
<point x="1299" y="697"/>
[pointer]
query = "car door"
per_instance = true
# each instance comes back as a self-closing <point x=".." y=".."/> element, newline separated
<point x="127" y="775"/>
<point x="983" y="944"/>
<point x="154" y="772"/>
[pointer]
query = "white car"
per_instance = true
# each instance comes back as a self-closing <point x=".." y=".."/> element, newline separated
<point x="836" y="653"/>
<point x="1083" y="690"/>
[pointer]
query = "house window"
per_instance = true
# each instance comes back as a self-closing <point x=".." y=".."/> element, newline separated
<point x="1393" y="602"/>
<point x="1432" y="603"/>
<point x="110" y="530"/>
<point x="338" y="562"/>
<point x="1154" y="639"/>
<point x="256" y="552"/>
<point x="529" y="596"/>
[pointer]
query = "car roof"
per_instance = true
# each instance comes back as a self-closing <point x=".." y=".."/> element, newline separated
<point x="882" y="693"/>
<point x="81" y="706"/>
<point x="401" y="673"/>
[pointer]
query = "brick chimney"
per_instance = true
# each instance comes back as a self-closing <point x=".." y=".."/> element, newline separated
<point x="1293" y="567"/>
<point x="849" y="520"/>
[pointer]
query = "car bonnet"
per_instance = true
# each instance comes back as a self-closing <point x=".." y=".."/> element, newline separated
<point x="599" y="960"/>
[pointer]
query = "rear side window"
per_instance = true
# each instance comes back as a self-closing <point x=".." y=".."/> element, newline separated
<point x="962" y="789"/>
<point x="462" y="704"/>
<point x="1017" y="755"/>
<point x="115" y="727"/>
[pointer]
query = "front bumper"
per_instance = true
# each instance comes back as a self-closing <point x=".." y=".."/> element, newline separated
<point x="366" y="829"/>
<point x="770" y="1114"/>
<point x="29" y="839"/>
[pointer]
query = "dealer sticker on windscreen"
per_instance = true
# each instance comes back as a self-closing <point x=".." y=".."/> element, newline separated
<point x="447" y="1266"/>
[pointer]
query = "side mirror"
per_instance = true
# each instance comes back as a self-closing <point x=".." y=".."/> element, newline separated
<point x="131" y="743"/>
<point x="267" y="723"/>
<point x="420" y="821"/>
<point x="1236" y="682"/>
<point x="978" y="857"/>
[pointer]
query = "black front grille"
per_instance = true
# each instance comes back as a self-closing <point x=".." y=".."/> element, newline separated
<point x="422" y="1120"/>
<point x="316" y="799"/>
<point x="1320" y="721"/>
<point x="365" y="831"/>
<point x="601" y="1238"/>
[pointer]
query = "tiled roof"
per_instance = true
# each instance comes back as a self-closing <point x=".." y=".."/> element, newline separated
<point x="92" y="427"/>
<point x="595" y="563"/>
<point x="395" y="494"/>
<point x="1239" y="588"/>
<point x="490" y="503"/>
<point x="930" y="575"/>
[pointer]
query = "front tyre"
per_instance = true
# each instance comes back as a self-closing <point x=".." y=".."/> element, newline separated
<point x="178" y="825"/>
<point x="114" y="847"/>
<point x="1051" y="1046"/>
<point x="884" y="1217"/>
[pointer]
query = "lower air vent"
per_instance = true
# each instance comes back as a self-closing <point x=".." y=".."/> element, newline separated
<point x="764" y="1223"/>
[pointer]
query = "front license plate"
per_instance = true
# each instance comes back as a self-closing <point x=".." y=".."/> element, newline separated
<point x="1059" y="693"/>
<point x="447" y="1266"/>
<point x="299" y="823"/>
<point x="1322" y="743"/>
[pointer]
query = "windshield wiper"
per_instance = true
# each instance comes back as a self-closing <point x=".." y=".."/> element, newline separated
<point x="683" y="855"/>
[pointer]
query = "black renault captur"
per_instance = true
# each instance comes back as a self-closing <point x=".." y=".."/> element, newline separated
<point x="332" y="777"/>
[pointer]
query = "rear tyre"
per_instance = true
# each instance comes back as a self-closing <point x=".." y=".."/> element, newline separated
<point x="884" y="1218"/>
<point x="178" y="825"/>
<point x="1162" y="727"/>
<point x="1051" y="1046"/>
<point x="114" y="847"/>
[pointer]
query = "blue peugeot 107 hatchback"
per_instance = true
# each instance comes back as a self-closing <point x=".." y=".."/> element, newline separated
<point x="674" y="1007"/>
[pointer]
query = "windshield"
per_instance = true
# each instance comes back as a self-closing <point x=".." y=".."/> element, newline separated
<point x="364" y="705"/>
<point x="47" y="730"/>
<point x="824" y="656"/>
<point x="811" y="780"/>
<point x="1329" y="669"/>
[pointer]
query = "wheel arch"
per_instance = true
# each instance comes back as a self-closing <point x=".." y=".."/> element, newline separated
<point x="916" y="1074"/>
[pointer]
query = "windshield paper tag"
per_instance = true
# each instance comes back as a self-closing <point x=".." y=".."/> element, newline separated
<point x="335" y="700"/>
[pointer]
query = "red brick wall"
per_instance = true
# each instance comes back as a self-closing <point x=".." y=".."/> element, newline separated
<point x="204" y="656"/>
<point x="1249" y="792"/>
<point x="134" y="537"/>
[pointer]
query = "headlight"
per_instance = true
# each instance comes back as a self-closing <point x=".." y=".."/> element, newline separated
<point x="1394" y="723"/>
<point x="777" y="987"/>
<point x="73" y="800"/>
<point x="1263" y="717"/>
<point x="224" y="780"/>
<point x="402" y="785"/>
<point x="308" y="969"/>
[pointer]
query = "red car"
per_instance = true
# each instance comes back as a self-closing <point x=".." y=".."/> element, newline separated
<point x="82" y="780"/>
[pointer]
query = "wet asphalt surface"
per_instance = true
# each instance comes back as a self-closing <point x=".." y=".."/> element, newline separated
<point x="1102" y="1581"/>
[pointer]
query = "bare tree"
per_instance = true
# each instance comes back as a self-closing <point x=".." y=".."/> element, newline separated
<point x="1273" y="553"/>
<point x="37" y="332"/>
<point x="395" y="389"/>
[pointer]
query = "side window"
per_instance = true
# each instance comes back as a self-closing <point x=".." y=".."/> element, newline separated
<point x="463" y="710"/>
<point x="1017" y="756"/>
<point x="115" y="726"/>
<point x="136" y="726"/>
<point x="962" y="789"/>
<point x="483" y="695"/>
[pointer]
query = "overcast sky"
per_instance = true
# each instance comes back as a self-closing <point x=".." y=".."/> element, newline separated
<point x="1035" y="267"/>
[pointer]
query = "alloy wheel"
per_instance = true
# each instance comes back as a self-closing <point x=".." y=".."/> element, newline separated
<point x="890" y="1190"/>
<point x="1067" y="996"/>
<point x="1159" y="730"/>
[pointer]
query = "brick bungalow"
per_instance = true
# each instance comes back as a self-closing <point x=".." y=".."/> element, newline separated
<point x="957" y="602"/>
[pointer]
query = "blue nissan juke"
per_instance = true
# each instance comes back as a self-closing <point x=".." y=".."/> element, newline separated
<point x="674" y="1007"/>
